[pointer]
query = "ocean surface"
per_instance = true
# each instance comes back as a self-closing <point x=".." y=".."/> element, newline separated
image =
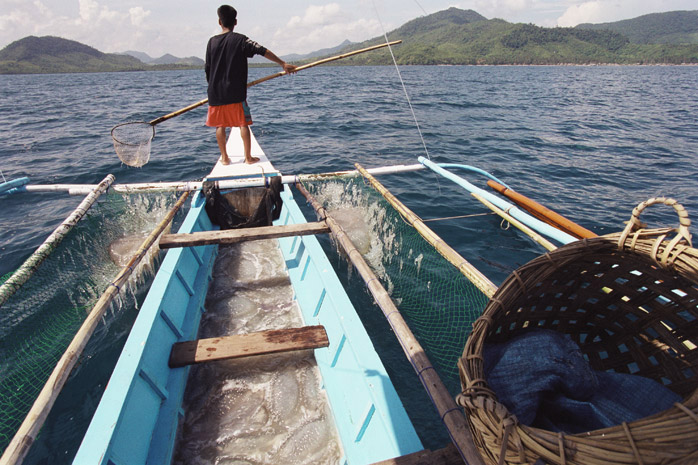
<point x="590" y="142"/>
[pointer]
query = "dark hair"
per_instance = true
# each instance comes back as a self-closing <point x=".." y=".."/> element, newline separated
<point x="227" y="15"/>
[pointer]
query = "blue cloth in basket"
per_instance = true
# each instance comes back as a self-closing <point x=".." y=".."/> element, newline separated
<point x="542" y="377"/>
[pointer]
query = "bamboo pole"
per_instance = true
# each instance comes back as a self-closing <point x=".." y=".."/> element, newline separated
<point x="30" y="265"/>
<point x="273" y="76"/>
<point x="542" y="213"/>
<point x="323" y="61"/>
<point x="184" y="186"/>
<point x="525" y="229"/>
<point x="450" y="413"/>
<point x="466" y="268"/>
<point x="25" y="436"/>
<point x="233" y="236"/>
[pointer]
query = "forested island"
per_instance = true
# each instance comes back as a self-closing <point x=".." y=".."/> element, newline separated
<point x="449" y="37"/>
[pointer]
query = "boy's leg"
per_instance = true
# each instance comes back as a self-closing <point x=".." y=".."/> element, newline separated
<point x="221" y="139"/>
<point x="247" y="145"/>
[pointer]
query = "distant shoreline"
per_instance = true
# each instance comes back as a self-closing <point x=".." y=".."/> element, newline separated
<point x="338" y="64"/>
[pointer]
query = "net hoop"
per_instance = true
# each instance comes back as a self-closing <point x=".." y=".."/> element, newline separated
<point x="132" y="142"/>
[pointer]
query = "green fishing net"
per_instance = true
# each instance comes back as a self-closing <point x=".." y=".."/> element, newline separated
<point x="40" y="319"/>
<point x="439" y="304"/>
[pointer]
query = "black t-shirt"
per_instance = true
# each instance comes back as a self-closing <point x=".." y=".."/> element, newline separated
<point x="226" y="67"/>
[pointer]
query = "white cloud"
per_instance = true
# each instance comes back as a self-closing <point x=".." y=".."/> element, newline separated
<point x="589" y="12"/>
<point x="322" y="27"/>
<point x="317" y="16"/>
<point x="138" y="15"/>
<point x="603" y="11"/>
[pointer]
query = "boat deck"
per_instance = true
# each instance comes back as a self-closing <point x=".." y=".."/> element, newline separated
<point x="265" y="409"/>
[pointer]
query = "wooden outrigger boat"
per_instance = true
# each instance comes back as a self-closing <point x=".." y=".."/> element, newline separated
<point x="138" y="416"/>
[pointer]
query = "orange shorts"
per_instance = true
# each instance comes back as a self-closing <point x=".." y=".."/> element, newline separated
<point x="233" y="115"/>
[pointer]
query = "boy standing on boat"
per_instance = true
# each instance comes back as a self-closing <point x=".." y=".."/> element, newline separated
<point x="226" y="73"/>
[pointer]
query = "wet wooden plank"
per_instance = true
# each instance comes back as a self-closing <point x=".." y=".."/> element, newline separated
<point x="231" y="236"/>
<point x="446" y="456"/>
<point x="246" y="345"/>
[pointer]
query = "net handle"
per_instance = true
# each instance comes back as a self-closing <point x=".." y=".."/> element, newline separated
<point x="178" y="112"/>
<point x="275" y="75"/>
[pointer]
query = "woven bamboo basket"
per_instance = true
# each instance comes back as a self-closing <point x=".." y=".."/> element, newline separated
<point x="629" y="300"/>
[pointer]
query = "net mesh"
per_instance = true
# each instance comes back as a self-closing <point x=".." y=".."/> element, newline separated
<point x="38" y="322"/>
<point x="132" y="142"/>
<point x="439" y="304"/>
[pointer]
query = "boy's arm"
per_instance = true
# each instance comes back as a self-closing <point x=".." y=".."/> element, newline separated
<point x="269" y="55"/>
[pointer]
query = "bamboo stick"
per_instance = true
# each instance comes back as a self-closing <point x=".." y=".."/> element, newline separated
<point x="466" y="268"/>
<point x="184" y="186"/>
<point x="30" y="266"/>
<point x="450" y="413"/>
<point x="525" y="229"/>
<point x="323" y="61"/>
<point x="232" y="236"/>
<point x="25" y="436"/>
<point x="542" y="213"/>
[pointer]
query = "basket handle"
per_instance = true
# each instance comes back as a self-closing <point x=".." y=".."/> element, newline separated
<point x="635" y="226"/>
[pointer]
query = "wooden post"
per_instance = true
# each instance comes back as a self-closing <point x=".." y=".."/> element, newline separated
<point x="450" y="413"/>
<point x="474" y="275"/>
<point x="543" y="213"/>
<point x="25" y="436"/>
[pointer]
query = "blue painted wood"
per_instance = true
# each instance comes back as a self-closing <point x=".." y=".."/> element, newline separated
<point x="370" y="418"/>
<point x="136" y="420"/>
<point x="14" y="186"/>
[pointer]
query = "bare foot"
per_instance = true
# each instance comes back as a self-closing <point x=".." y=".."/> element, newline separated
<point x="251" y="160"/>
<point x="224" y="161"/>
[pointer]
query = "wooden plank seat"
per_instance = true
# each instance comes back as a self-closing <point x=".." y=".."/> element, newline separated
<point x="246" y="345"/>
<point x="231" y="236"/>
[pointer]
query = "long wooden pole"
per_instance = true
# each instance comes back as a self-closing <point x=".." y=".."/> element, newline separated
<point x="518" y="224"/>
<point x="183" y="186"/>
<point x="30" y="265"/>
<point x="25" y="436"/>
<point x="451" y="414"/>
<point x="324" y="60"/>
<point x="543" y="213"/>
<point x="276" y="75"/>
<point x="474" y="275"/>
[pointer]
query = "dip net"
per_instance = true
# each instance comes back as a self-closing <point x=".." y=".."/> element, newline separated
<point x="438" y="302"/>
<point x="132" y="142"/>
<point x="38" y="321"/>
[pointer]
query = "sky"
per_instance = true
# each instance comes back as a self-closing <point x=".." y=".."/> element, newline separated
<point x="182" y="28"/>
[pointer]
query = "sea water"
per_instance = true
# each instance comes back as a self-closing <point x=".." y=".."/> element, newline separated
<point x="587" y="141"/>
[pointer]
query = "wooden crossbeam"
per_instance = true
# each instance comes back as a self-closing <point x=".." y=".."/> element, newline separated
<point x="231" y="236"/>
<point x="246" y="345"/>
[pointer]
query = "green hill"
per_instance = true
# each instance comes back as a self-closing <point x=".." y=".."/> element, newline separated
<point x="56" y="55"/>
<point x="674" y="27"/>
<point x="456" y="36"/>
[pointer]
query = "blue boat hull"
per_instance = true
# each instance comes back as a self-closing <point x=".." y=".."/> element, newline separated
<point x="141" y="409"/>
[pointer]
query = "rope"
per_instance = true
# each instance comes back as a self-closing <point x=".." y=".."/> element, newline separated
<point x="458" y="217"/>
<point x="404" y="88"/>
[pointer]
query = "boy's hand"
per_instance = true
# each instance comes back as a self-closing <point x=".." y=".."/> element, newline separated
<point x="290" y="69"/>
